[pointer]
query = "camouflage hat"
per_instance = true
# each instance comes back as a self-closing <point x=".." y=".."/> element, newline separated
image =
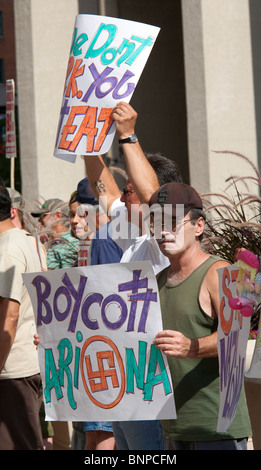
<point x="51" y="205"/>
<point x="17" y="199"/>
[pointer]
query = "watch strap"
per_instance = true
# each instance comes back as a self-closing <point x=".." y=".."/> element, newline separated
<point x="131" y="139"/>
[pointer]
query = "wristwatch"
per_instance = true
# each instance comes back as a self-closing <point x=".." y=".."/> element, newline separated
<point x="132" y="139"/>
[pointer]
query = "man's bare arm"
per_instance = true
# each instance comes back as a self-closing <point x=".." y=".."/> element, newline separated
<point x="101" y="179"/>
<point x="174" y="343"/>
<point x="9" y="313"/>
<point x="140" y="172"/>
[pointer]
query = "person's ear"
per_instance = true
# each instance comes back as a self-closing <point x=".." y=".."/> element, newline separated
<point x="199" y="226"/>
<point x="13" y="212"/>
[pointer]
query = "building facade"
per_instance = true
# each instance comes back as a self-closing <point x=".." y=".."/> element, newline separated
<point x="199" y="93"/>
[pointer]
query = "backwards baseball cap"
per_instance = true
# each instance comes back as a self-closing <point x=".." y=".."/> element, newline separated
<point x="177" y="194"/>
<point x="84" y="193"/>
<point x="16" y="199"/>
<point x="49" y="206"/>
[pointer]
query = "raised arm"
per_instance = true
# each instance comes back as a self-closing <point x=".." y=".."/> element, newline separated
<point x="140" y="172"/>
<point x="101" y="180"/>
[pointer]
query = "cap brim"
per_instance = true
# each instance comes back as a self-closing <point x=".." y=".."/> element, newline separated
<point x="91" y="202"/>
<point x="37" y="214"/>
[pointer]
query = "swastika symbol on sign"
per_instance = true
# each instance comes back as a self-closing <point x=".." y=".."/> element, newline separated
<point x="102" y="374"/>
<point x="112" y="375"/>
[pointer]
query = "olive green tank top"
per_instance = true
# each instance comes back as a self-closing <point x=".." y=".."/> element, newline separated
<point x="195" y="381"/>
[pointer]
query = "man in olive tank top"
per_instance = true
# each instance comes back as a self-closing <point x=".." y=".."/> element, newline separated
<point x="189" y="294"/>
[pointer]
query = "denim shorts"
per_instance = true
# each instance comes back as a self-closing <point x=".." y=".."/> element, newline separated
<point x="97" y="426"/>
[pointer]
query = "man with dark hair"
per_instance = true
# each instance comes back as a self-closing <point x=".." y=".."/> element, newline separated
<point x="189" y="297"/>
<point x="134" y="238"/>
<point x="166" y="170"/>
<point x="5" y="206"/>
<point x="20" y="381"/>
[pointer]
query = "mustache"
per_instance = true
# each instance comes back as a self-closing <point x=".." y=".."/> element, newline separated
<point x="167" y="238"/>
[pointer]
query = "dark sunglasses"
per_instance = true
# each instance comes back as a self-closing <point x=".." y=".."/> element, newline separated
<point x="128" y="191"/>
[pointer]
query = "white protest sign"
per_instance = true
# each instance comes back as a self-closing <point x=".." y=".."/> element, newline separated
<point x="97" y="358"/>
<point x="10" y="148"/>
<point x="106" y="60"/>
<point x="233" y="333"/>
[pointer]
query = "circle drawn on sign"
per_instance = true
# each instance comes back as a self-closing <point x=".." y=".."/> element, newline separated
<point x="120" y="363"/>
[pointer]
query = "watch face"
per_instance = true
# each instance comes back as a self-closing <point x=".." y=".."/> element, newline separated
<point x="133" y="138"/>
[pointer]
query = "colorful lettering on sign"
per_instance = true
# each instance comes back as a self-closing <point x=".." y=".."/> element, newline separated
<point x="87" y="128"/>
<point x="97" y="361"/>
<point x="132" y="369"/>
<point x="232" y="372"/>
<point x="75" y="304"/>
<point x="128" y="50"/>
<point x="231" y="353"/>
<point x="99" y="66"/>
<point x="228" y="278"/>
<point x="107" y="375"/>
<point x="102" y="84"/>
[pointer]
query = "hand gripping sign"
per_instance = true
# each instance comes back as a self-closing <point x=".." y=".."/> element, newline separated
<point x="96" y="353"/>
<point x="106" y="60"/>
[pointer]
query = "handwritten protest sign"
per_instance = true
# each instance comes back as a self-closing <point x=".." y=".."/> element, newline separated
<point x="106" y="60"/>
<point x="97" y="358"/>
<point x="10" y="148"/>
<point x="233" y="333"/>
